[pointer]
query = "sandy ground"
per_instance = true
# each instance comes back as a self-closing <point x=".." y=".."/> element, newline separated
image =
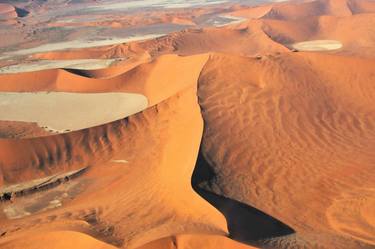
<point x="62" y="112"/>
<point x="237" y="142"/>
<point x="284" y="123"/>
<point x="317" y="45"/>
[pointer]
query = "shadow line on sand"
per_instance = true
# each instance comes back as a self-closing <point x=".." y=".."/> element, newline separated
<point x="246" y="224"/>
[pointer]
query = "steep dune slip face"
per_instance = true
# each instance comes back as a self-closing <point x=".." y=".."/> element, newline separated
<point x="292" y="136"/>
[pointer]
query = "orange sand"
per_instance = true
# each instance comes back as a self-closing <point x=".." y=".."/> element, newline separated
<point x="281" y="142"/>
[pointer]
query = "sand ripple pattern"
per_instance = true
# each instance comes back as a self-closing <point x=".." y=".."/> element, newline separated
<point x="278" y="138"/>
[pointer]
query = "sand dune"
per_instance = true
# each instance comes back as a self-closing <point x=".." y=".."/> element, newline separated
<point x="160" y="188"/>
<point x="193" y="241"/>
<point x="57" y="240"/>
<point x="156" y="80"/>
<point x="150" y="80"/>
<point x="208" y="137"/>
<point x="290" y="125"/>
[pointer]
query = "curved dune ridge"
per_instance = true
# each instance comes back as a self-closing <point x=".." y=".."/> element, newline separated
<point x="164" y="188"/>
<point x="255" y="134"/>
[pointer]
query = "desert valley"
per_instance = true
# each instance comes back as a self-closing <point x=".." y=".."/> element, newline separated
<point x="212" y="124"/>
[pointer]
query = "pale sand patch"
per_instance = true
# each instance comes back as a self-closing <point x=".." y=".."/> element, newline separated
<point x="78" y="44"/>
<point x="14" y="212"/>
<point x="80" y="64"/>
<point x="44" y="200"/>
<point x="120" y="161"/>
<point x="317" y="45"/>
<point x="167" y="4"/>
<point x="63" y="112"/>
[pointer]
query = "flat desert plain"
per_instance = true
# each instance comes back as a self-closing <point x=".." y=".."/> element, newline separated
<point x="187" y="124"/>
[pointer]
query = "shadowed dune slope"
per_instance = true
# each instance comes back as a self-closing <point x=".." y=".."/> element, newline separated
<point x="293" y="129"/>
<point x="245" y="223"/>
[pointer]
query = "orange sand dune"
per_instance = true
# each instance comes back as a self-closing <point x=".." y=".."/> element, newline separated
<point x="247" y="39"/>
<point x="193" y="241"/>
<point x="354" y="33"/>
<point x="299" y="10"/>
<point x="156" y="80"/>
<point x="163" y="183"/>
<point x="279" y="24"/>
<point x="149" y="79"/>
<point x="87" y="53"/>
<point x="117" y="69"/>
<point x="242" y="39"/>
<point x="245" y="141"/>
<point x="57" y="240"/>
<point x="297" y="129"/>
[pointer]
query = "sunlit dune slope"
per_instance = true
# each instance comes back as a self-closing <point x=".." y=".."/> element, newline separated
<point x="294" y="129"/>
<point x="57" y="240"/>
<point x="194" y="241"/>
<point x="157" y="179"/>
<point x="299" y="10"/>
<point x="355" y="32"/>
<point x="156" y="81"/>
